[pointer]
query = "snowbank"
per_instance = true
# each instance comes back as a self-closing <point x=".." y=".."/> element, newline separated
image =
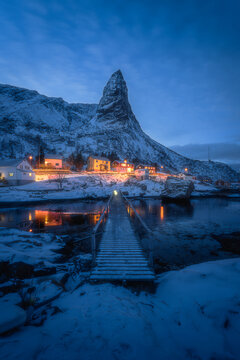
<point x="94" y="186"/>
<point x="193" y="314"/>
<point x="81" y="187"/>
<point x="28" y="247"/>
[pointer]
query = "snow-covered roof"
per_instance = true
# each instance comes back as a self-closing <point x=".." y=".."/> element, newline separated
<point x="99" y="158"/>
<point x="53" y="156"/>
<point x="10" y="162"/>
<point x="122" y="161"/>
<point x="145" y="165"/>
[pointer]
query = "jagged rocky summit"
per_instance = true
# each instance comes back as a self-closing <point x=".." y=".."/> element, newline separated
<point x="26" y="117"/>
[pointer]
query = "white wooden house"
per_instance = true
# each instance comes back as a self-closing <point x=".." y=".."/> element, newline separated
<point x="16" y="171"/>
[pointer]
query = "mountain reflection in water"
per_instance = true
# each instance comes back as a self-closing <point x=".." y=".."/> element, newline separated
<point x="185" y="234"/>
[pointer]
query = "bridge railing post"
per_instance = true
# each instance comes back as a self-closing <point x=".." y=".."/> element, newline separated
<point x="93" y="248"/>
<point x="95" y="229"/>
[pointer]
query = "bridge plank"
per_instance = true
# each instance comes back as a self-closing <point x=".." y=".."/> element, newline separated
<point x="120" y="255"/>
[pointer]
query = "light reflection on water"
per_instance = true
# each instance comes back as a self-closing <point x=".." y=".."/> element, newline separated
<point x="225" y="212"/>
<point x="184" y="234"/>
<point x="52" y="218"/>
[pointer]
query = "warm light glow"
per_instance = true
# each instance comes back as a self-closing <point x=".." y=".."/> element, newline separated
<point x="48" y="218"/>
<point x="125" y="160"/>
<point x="161" y="166"/>
<point x="30" y="217"/>
<point x="129" y="169"/>
<point x="115" y="192"/>
<point x="30" y="174"/>
<point x="94" y="218"/>
<point x="30" y="230"/>
<point x="123" y="164"/>
<point x="30" y="157"/>
<point x="162" y="212"/>
<point x="186" y="169"/>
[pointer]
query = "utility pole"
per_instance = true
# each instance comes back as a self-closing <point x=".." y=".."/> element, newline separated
<point x="208" y="153"/>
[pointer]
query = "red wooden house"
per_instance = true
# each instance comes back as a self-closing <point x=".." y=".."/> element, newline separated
<point x="150" y="168"/>
<point x="122" y="166"/>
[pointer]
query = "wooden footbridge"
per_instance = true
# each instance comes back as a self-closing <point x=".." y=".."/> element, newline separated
<point x="120" y="255"/>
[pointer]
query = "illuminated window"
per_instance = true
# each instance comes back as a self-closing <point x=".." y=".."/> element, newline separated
<point x="10" y="174"/>
<point x="30" y="174"/>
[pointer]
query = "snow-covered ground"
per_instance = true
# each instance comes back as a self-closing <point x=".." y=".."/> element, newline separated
<point x="193" y="314"/>
<point x="27" y="247"/>
<point x="81" y="187"/>
<point x="95" y="186"/>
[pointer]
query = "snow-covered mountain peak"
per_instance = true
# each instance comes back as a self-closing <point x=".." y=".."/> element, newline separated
<point x="28" y="118"/>
<point x="116" y="87"/>
<point x="114" y="107"/>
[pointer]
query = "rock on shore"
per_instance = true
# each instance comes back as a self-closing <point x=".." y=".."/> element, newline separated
<point x="177" y="189"/>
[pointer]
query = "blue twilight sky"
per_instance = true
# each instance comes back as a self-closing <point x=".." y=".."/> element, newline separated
<point x="180" y="59"/>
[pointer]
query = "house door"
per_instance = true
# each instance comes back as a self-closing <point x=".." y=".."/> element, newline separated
<point x="103" y="167"/>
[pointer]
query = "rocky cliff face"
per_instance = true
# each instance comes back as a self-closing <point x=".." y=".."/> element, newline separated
<point x="114" y="107"/>
<point x="26" y="116"/>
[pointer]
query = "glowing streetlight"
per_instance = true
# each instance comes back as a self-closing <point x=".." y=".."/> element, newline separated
<point x="115" y="192"/>
<point x="186" y="169"/>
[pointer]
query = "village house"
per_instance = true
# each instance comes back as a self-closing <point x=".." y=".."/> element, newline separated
<point x="222" y="184"/>
<point x="122" y="166"/>
<point x="97" y="163"/>
<point x="142" y="174"/>
<point x="150" y="168"/>
<point x="53" y="161"/>
<point x="16" y="172"/>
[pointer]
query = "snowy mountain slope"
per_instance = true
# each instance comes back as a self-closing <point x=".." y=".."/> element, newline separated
<point x="25" y="115"/>
<point x="109" y="126"/>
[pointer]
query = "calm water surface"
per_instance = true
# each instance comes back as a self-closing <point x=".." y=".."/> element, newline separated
<point x="59" y="218"/>
<point x="184" y="234"/>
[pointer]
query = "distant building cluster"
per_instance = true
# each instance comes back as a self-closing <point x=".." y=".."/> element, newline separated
<point x="51" y="166"/>
<point x="100" y="164"/>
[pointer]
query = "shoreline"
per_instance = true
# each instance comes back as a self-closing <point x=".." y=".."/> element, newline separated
<point x="13" y="203"/>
